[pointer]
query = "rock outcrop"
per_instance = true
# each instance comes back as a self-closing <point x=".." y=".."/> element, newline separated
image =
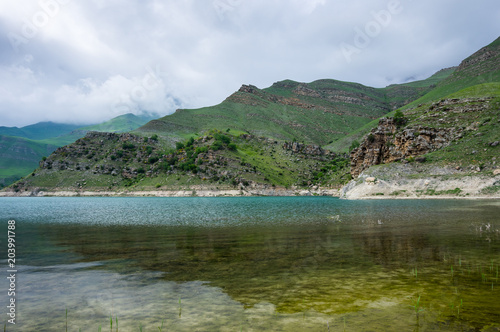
<point x="387" y="144"/>
<point x="309" y="149"/>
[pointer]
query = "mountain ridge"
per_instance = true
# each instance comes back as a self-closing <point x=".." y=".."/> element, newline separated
<point x="245" y="140"/>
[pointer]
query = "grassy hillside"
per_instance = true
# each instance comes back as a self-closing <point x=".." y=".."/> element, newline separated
<point x="105" y="161"/>
<point x="475" y="112"/>
<point x="20" y="156"/>
<point x="21" y="151"/>
<point x="39" y="131"/>
<point x="120" y="124"/>
<point x="446" y="147"/>
<point x="481" y="67"/>
<point x="315" y="113"/>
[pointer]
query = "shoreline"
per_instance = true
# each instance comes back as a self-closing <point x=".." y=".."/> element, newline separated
<point x="236" y="193"/>
<point x="178" y="193"/>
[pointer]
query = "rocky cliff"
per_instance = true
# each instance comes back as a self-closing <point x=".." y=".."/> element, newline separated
<point x="431" y="129"/>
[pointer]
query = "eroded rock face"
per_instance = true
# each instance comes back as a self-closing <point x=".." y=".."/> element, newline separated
<point x="386" y="144"/>
<point x="302" y="148"/>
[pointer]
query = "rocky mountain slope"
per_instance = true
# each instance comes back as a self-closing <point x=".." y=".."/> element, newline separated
<point x="315" y="113"/>
<point x="275" y="138"/>
<point x="217" y="160"/>
<point x="22" y="148"/>
<point x="449" y="147"/>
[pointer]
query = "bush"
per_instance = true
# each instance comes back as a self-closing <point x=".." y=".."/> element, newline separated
<point x="399" y="118"/>
<point x="217" y="145"/>
<point x="222" y="138"/>
<point x="354" y="145"/>
<point x="232" y="146"/>
<point x="190" y="142"/>
<point x="154" y="137"/>
<point x="153" y="159"/>
<point x="179" y="146"/>
<point x="371" y="138"/>
<point x="128" y="146"/>
<point x="201" y="149"/>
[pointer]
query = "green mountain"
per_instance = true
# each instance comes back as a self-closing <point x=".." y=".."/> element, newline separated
<point x="261" y="138"/>
<point x="39" y="131"/>
<point x="216" y="160"/>
<point x="480" y="68"/>
<point x="20" y="156"/>
<point x="21" y="149"/>
<point x="315" y="113"/>
<point x="120" y="124"/>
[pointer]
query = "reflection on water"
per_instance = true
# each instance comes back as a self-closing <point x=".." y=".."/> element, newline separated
<point x="253" y="264"/>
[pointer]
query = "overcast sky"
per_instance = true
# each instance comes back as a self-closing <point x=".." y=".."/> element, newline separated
<point x="86" y="61"/>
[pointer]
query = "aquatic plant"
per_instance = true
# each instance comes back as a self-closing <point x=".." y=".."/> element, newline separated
<point x="66" y="319"/>
<point x="416" y="306"/>
<point x="458" y="309"/>
<point x="161" y="327"/>
<point x="180" y="307"/>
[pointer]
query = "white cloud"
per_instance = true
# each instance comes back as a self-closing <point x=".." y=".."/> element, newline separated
<point x="91" y="56"/>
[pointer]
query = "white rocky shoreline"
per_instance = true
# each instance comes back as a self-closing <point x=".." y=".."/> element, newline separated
<point x="197" y="192"/>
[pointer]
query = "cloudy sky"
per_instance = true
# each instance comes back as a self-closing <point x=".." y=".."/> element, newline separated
<point x="86" y="61"/>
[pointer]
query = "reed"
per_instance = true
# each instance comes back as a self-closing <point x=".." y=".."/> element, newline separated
<point x="66" y="319"/>
<point x="180" y="307"/>
<point x="161" y="327"/>
<point x="416" y="306"/>
<point x="452" y="271"/>
<point x="458" y="308"/>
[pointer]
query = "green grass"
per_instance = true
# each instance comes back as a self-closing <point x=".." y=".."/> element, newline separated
<point x="216" y="160"/>
<point x="320" y="112"/>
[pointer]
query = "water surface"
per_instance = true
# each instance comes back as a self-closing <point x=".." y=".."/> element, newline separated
<point x="255" y="264"/>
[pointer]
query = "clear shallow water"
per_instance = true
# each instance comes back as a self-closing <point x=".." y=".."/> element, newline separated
<point x="254" y="264"/>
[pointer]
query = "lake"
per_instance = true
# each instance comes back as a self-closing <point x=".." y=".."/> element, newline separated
<point x="253" y="264"/>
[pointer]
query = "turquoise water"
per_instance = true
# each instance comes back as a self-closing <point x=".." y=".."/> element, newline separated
<point x="254" y="264"/>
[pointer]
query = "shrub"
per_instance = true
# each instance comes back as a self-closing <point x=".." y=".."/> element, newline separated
<point x="232" y="146"/>
<point x="222" y="138"/>
<point x="153" y="159"/>
<point x="217" y="145"/>
<point x="354" y="145"/>
<point x="190" y="142"/>
<point x="399" y="118"/>
<point x="179" y="145"/>
<point x="371" y="138"/>
<point x="154" y="137"/>
<point x="201" y="149"/>
<point x="141" y="170"/>
<point x="128" y="146"/>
